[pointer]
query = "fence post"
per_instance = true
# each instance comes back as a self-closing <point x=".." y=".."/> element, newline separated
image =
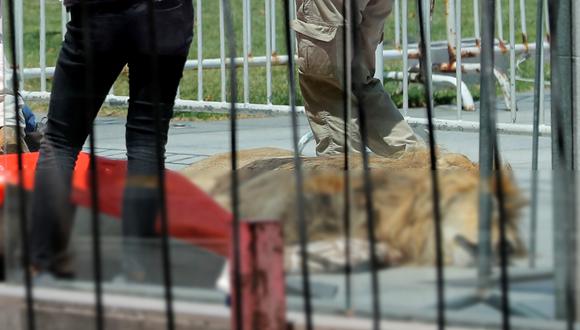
<point x="380" y="63"/>
<point x="563" y="129"/>
<point x="262" y="270"/>
<point x="576" y="120"/>
<point x="486" y="115"/>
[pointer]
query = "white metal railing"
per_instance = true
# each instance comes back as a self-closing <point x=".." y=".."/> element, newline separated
<point x="451" y="72"/>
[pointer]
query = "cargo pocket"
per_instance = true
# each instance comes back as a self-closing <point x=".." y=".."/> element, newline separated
<point x="317" y="49"/>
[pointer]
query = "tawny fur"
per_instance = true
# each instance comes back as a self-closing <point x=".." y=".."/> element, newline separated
<point x="402" y="198"/>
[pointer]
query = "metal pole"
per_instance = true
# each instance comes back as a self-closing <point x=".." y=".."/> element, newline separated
<point x="222" y="53"/>
<point x="425" y="47"/>
<point x="368" y="183"/>
<point x="485" y="143"/>
<point x="547" y="19"/>
<point x="397" y="25"/>
<point x="94" y="180"/>
<point x="250" y="24"/>
<point x="302" y="223"/>
<point x="347" y="112"/>
<point x="523" y="22"/>
<point x="562" y="157"/>
<point x="273" y="32"/>
<point x="237" y="314"/>
<point x="379" y="63"/>
<point x="21" y="197"/>
<point x="512" y="41"/>
<point x="268" y="17"/>
<point x="576" y="122"/>
<point x="476" y="23"/>
<point x="499" y="20"/>
<point x="63" y="20"/>
<point x="160" y="153"/>
<point x="246" y="48"/>
<point x="199" y="22"/>
<point x="19" y="42"/>
<point x="405" y="36"/>
<point x="458" y="59"/>
<point x="538" y="89"/>
<point x="42" y="49"/>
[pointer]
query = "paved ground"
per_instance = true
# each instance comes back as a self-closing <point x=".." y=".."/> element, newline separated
<point x="407" y="291"/>
<point x="193" y="141"/>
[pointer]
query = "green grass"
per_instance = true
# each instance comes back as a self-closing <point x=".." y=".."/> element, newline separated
<point x="211" y="49"/>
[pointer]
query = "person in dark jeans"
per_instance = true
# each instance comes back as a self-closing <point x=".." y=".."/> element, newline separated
<point x="119" y="35"/>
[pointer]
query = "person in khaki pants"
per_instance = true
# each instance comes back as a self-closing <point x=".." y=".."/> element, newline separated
<point x="321" y="50"/>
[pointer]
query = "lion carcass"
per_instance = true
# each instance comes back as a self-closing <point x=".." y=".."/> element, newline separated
<point x="402" y="202"/>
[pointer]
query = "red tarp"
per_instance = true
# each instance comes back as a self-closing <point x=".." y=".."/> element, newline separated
<point x="193" y="215"/>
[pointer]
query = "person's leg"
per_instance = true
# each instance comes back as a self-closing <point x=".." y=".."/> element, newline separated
<point x="388" y="132"/>
<point x="152" y="96"/>
<point x="321" y="53"/>
<point x="71" y="112"/>
<point x="321" y="75"/>
<point x="324" y="105"/>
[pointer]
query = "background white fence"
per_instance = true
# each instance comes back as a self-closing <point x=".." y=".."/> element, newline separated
<point x="400" y="55"/>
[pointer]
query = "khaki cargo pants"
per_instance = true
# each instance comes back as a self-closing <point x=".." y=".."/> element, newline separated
<point x="319" y="26"/>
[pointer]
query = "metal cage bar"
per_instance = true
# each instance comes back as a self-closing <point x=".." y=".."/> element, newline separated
<point x="425" y="46"/>
<point x="485" y="147"/>
<point x="16" y="56"/>
<point x="301" y="221"/>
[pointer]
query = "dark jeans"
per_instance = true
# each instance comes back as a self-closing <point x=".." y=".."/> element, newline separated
<point x="119" y="35"/>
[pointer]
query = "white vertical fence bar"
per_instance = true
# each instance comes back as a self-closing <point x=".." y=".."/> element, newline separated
<point x="476" y="22"/>
<point x="273" y="18"/>
<point x="293" y="16"/>
<point x="42" y="54"/>
<point x="222" y="53"/>
<point x="540" y="43"/>
<point x="428" y="41"/>
<point x="542" y="59"/>
<point x="450" y="23"/>
<point x="546" y="18"/>
<point x="63" y="20"/>
<point x="397" y="25"/>
<point x="19" y="27"/>
<point x="547" y="37"/>
<point x="199" y="51"/>
<point x="270" y="58"/>
<point x="246" y="49"/>
<point x="499" y="15"/>
<point x="523" y="21"/>
<point x="512" y="32"/>
<point x="458" y="59"/>
<point x="405" y="36"/>
<point x="429" y="53"/>
<point x="249" y="30"/>
<point x="541" y="39"/>
<point x="380" y="63"/>
<point x="268" y="30"/>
